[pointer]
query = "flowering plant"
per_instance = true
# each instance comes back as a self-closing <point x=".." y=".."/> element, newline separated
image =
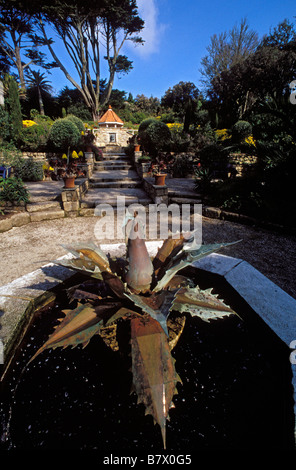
<point x="68" y="166"/>
<point x="160" y="165"/>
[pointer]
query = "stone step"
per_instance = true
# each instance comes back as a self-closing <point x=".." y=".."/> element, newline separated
<point x="184" y="200"/>
<point x="117" y="184"/>
<point x="187" y="194"/>
<point x="40" y="206"/>
<point x="108" y="167"/>
<point x="47" y="215"/>
<point x="91" y="203"/>
<point x="117" y="156"/>
<point x="111" y="178"/>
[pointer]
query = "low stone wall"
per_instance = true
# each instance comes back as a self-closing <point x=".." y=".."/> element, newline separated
<point x="142" y="169"/>
<point x="159" y="194"/>
<point x="43" y="156"/>
<point x="71" y="198"/>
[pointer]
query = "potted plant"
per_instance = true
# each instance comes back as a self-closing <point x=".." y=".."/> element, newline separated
<point x="159" y="168"/>
<point x="137" y="144"/>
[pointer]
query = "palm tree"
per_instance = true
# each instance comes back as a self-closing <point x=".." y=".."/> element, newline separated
<point x="37" y="81"/>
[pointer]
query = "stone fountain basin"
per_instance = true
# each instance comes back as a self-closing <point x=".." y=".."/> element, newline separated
<point x="20" y="299"/>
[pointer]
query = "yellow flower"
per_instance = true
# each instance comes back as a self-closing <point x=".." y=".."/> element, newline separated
<point x="250" y="140"/>
<point x="82" y="132"/>
<point x="29" y="123"/>
<point x="45" y="166"/>
<point x="222" y="134"/>
<point x="175" y="126"/>
<point x="50" y="168"/>
<point x="64" y="156"/>
<point x="80" y="153"/>
<point x="74" y="154"/>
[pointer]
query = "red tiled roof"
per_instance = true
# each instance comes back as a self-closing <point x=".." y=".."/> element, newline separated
<point x="110" y="116"/>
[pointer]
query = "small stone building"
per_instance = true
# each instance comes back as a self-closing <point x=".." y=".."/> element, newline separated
<point x="111" y="133"/>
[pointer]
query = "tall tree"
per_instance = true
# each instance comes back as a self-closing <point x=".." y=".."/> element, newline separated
<point x="263" y="76"/>
<point x="37" y="81"/>
<point x="181" y="99"/>
<point x="83" y="30"/>
<point x="226" y="50"/>
<point x="18" y="42"/>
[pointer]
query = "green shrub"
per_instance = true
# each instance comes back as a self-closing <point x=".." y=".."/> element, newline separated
<point x="144" y="124"/>
<point x="33" y="138"/>
<point x="155" y="136"/>
<point x="182" y="166"/>
<point x="29" y="170"/>
<point x="77" y="121"/>
<point x="241" y="130"/>
<point x="64" y="134"/>
<point x="13" y="190"/>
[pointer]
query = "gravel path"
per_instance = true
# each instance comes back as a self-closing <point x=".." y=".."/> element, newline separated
<point x="26" y="248"/>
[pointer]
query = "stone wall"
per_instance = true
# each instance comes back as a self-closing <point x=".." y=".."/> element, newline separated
<point x="39" y="155"/>
<point x="158" y="194"/>
<point x="71" y="198"/>
<point x="113" y="135"/>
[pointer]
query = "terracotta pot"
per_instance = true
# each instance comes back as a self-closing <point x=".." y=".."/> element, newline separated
<point x="69" y="181"/>
<point x="137" y="148"/>
<point x="160" y="179"/>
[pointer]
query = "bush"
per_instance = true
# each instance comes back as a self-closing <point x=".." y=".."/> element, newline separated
<point x="64" y="134"/>
<point x="155" y="136"/>
<point x="78" y="122"/>
<point x="182" y="166"/>
<point x="13" y="190"/>
<point x="29" y="170"/>
<point x="241" y="130"/>
<point x="33" y="138"/>
<point x="144" y="124"/>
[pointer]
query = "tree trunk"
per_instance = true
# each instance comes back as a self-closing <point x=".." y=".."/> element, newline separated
<point x="41" y="106"/>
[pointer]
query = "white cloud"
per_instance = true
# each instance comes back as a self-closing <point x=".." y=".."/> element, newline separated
<point x="153" y="30"/>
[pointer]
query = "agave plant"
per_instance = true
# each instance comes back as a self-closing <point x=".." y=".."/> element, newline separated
<point x="145" y="292"/>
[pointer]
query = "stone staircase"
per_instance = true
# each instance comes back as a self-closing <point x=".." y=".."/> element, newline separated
<point x="45" y="200"/>
<point x="112" y="177"/>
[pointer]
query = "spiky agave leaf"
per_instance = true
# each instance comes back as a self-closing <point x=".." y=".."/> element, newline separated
<point x="92" y="252"/>
<point x="185" y="258"/>
<point x="81" y="265"/>
<point x="77" y="327"/>
<point x="158" y="306"/>
<point x="201" y="303"/>
<point x="153" y="369"/>
<point x="80" y="325"/>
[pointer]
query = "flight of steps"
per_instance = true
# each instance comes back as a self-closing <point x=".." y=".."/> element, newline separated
<point x="112" y="177"/>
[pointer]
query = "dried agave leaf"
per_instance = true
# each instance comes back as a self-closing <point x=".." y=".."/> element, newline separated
<point x="92" y="252"/>
<point x="81" y="265"/>
<point x="77" y="327"/>
<point x="168" y="249"/>
<point x="158" y="307"/>
<point x="122" y="312"/>
<point x="153" y="369"/>
<point x="201" y="303"/>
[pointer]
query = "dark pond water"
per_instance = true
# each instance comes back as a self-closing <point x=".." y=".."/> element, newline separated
<point x="236" y="391"/>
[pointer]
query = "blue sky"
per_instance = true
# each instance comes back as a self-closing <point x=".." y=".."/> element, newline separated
<point x="177" y="34"/>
